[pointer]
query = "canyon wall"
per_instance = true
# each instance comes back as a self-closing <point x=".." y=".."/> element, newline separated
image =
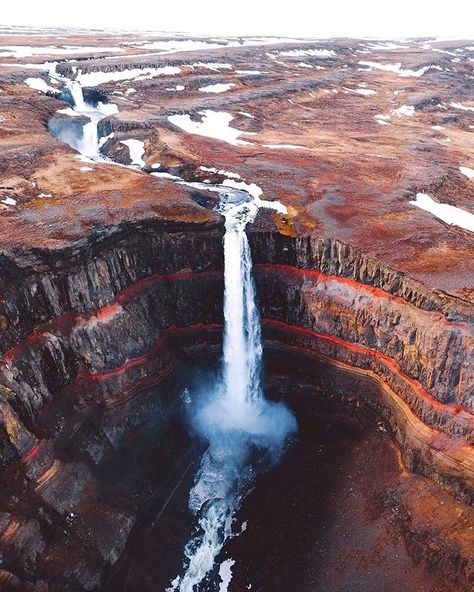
<point x="84" y="329"/>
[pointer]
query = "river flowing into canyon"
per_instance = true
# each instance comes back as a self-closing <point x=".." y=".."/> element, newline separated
<point x="245" y="433"/>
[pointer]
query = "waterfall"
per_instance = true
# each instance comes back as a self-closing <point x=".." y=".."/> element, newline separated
<point x="245" y="433"/>
<point x="77" y="96"/>
<point x="89" y="143"/>
<point x="242" y="345"/>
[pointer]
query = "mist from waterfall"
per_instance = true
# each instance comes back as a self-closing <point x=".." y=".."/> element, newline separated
<point x="244" y="432"/>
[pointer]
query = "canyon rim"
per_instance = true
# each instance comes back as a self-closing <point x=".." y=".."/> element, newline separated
<point x="236" y="313"/>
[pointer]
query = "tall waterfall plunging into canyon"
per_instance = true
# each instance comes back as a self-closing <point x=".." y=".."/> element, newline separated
<point x="245" y="433"/>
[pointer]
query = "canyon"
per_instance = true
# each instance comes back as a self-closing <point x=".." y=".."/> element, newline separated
<point x="112" y="287"/>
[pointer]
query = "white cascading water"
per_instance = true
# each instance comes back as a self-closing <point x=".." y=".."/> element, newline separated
<point x="77" y="96"/>
<point x="88" y="144"/>
<point x="244" y="431"/>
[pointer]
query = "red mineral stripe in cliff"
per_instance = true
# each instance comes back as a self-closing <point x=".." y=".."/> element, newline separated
<point x="31" y="454"/>
<point x="451" y="408"/>
<point x="140" y="360"/>
<point x="321" y="277"/>
<point x="68" y="321"/>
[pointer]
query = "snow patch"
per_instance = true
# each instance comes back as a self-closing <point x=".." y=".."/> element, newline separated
<point x="248" y="72"/>
<point x="136" y="149"/>
<point x="69" y="111"/>
<point x="382" y="119"/>
<point x="217" y="88"/>
<point x="9" y="201"/>
<point x="396" y="68"/>
<point x="166" y="176"/>
<point x="216" y="66"/>
<point x="220" y="172"/>
<point x="39" y="84"/>
<point x="461" y="106"/>
<point x="99" y="77"/>
<point x="26" y="51"/>
<point x="320" y="53"/>
<point x="447" y="213"/>
<point x="467" y="171"/>
<point x="387" y="46"/>
<point x="214" y="124"/>
<point x="365" y="91"/>
<point x="404" y="110"/>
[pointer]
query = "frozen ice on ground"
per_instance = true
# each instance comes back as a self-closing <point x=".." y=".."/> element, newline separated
<point x="9" y="201"/>
<point x="217" y="88"/>
<point x="382" y="119"/>
<point x="461" y="106"/>
<point x="40" y="84"/>
<point x="69" y="111"/>
<point x="99" y="77"/>
<point x="214" y="124"/>
<point x="407" y="110"/>
<point x="216" y="66"/>
<point x="220" y="172"/>
<point x="320" y="53"/>
<point x="136" y="150"/>
<point x="467" y="171"/>
<point x="396" y="68"/>
<point x="447" y="213"/>
<point x="26" y="51"/>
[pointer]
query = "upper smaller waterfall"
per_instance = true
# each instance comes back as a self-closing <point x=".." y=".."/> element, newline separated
<point x="77" y="96"/>
<point x="88" y="143"/>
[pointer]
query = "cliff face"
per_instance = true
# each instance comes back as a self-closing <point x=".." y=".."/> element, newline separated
<point x="100" y="318"/>
<point x="86" y="329"/>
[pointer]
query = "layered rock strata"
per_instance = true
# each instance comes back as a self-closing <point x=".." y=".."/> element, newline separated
<point x="92" y="330"/>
